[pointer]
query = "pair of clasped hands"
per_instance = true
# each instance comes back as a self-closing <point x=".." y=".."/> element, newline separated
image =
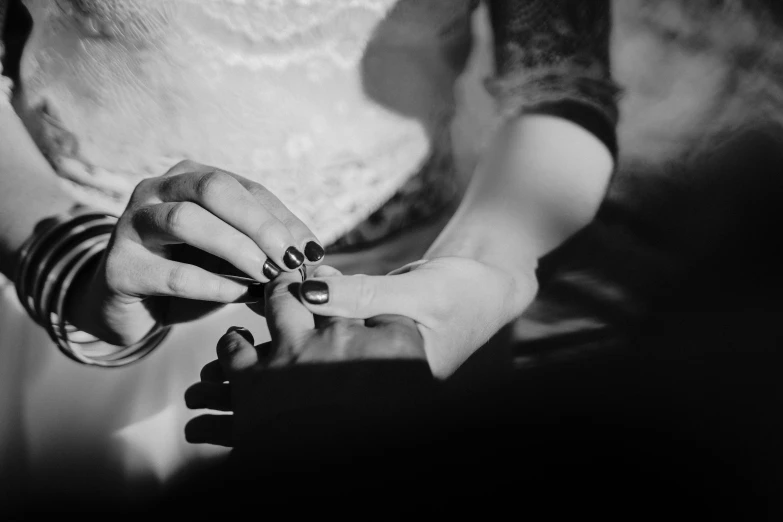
<point x="171" y="258"/>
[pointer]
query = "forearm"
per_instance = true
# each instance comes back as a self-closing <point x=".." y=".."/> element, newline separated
<point x="547" y="170"/>
<point x="542" y="179"/>
<point x="29" y="189"/>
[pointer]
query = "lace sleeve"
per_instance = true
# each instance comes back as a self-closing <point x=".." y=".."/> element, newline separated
<point x="552" y="56"/>
<point x="5" y="83"/>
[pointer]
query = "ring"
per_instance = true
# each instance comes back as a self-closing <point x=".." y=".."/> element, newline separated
<point x="303" y="272"/>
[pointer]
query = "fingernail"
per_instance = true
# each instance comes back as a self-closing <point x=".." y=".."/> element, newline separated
<point x="244" y="332"/>
<point x="256" y="290"/>
<point x="315" y="292"/>
<point x="314" y="252"/>
<point x="270" y="270"/>
<point x="293" y="258"/>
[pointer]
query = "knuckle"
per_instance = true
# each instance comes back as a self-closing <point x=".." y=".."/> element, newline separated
<point x="291" y="222"/>
<point x="212" y="184"/>
<point x="175" y="217"/>
<point x="262" y="194"/>
<point x="141" y="191"/>
<point x="184" y="165"/>
<point x="177" y="280"/>
<point x="270" y="228"/>
<point x="257" y="191"/>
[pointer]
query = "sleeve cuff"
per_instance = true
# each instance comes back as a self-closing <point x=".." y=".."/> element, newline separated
<point x="586" y="116"/>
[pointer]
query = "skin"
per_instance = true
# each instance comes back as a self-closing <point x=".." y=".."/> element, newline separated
<point x="298" y="369"/>
<point x="542" y="181"/>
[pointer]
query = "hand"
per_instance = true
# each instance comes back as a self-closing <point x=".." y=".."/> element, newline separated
<point x="308" y="364"/>
<point x="174" y="245"/>
<point x="458" y="304"/>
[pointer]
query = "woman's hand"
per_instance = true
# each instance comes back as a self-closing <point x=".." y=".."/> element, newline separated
<point x="177" y="245"/>
<point x="457" y="304"/>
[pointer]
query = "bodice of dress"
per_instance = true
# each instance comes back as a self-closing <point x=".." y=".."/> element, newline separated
<point x="332" y="104"/>
<point x="340" y="107"/>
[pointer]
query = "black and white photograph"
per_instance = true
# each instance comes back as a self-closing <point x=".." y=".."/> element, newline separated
<point x="370" y="259"/>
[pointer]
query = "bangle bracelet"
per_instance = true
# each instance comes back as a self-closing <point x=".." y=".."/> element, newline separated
<point x="50" y="267"/>
<point x="109" y="355"/>
<point x="49" y="263"/>
<point x="32" y="252"/>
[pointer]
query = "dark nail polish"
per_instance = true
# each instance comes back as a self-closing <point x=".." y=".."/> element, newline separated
<point x="244" y="332"/>
<point x="256" y="290"/>
<point x="314" y="252"/>
<point x="293" y="258"/>
<point x="315" y="292"/>
<point x="270" y="270"/>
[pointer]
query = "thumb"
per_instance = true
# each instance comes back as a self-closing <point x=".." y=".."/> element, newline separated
<point x="235" y="350"/>
<point x="362" y="297"/>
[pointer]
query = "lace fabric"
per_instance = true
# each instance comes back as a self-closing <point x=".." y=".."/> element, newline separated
<point x="553" y="51"/>
<point x="335" y="105"/>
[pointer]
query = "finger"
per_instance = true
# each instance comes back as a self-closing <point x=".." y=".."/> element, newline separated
<point x="306" y="240"/>
<point x="220" y="193"/>
<point x="362" y="297"/>
<point x="187" y="223"/>
<point x="162" y="277"/>
<point x="235" y="351"/>
<point x="289" y="322"/>
<point x="210" y="429"/>
<point x="321" y="321"/>
<point x="209" y="395"/>
<point x="259" y="306"/>
<point x="213" y="372"/>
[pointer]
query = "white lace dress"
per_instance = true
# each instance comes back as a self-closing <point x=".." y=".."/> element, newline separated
<point x="345" y="109"/>
<point x="334" y="105"/>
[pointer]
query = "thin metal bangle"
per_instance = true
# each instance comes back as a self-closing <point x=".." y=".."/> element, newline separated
<point x="56" y="275"/>
<point x="32" y="249"/>
<point x="70" y="240"/>
<point x="119" y="356"/>
<point x="46" y="275"/>
<point x="28" y="251"/>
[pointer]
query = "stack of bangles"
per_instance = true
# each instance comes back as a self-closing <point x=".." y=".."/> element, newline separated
<point x="49" y="262"/>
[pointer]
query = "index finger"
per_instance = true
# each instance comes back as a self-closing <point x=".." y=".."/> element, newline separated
<point x="289" y="321"/>
<point x="304" y="237"/>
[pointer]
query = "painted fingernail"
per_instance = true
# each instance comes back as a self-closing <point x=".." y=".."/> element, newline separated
<point x="293" y="258"/>
<point x="256" y="290"/>
<point x="270" y="270"/>
<point x="315" y="292"/>
<point x="314" y="252"/>
<point x="244" y="332"/>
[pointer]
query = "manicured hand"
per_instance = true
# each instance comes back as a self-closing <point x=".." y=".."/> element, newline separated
<point x="179" y="238"/>
<point x="457" y="303"/>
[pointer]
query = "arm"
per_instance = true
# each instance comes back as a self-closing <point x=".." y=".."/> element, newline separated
<point x="25" y="176"/>
<point x="547" y="170"/>
<point x="542" y="179"/>
<point x="172" y="257"/>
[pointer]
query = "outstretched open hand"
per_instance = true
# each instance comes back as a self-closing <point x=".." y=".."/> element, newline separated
<point x="457" y="303"/>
